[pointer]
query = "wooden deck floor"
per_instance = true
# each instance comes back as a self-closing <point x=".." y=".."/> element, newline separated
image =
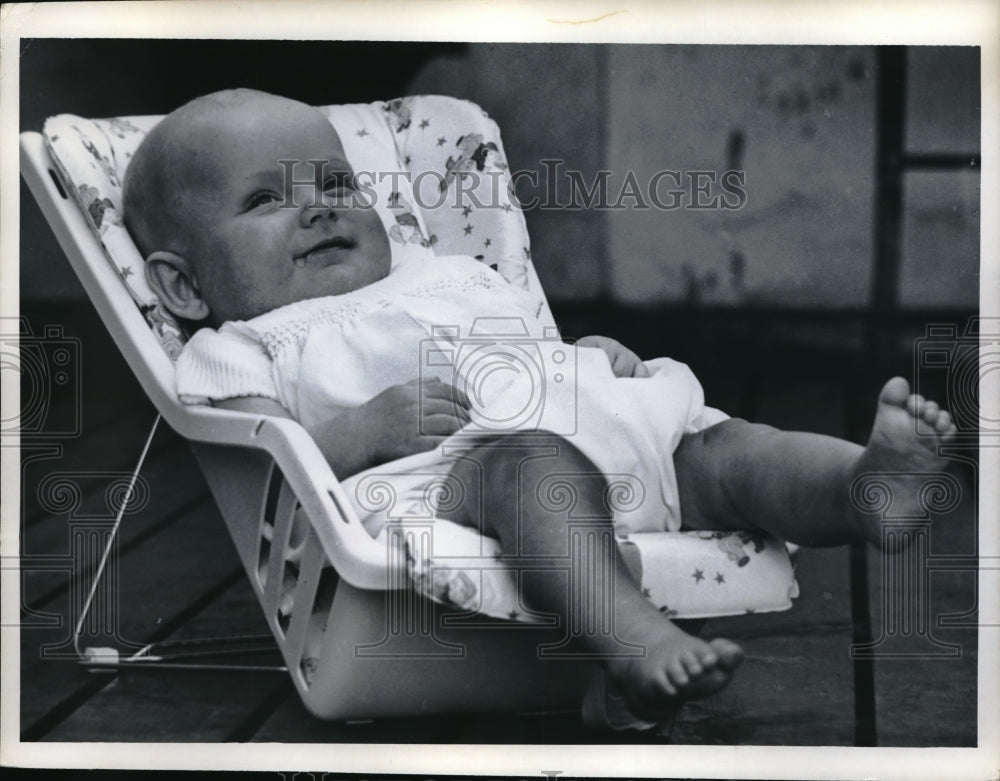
<point x="176" y="577"/>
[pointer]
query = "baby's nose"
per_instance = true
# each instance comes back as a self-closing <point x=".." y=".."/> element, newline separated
<point x="319" y="207"/>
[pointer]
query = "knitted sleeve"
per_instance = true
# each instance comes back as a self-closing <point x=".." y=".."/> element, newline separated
<point x="224" y="364"/>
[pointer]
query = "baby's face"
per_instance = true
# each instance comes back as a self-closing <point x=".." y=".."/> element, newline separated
<point x="254" y="249"/>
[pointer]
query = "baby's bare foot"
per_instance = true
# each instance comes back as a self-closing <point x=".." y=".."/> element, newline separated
<point x="901" y="453"/>
<point x="676" y="666"/>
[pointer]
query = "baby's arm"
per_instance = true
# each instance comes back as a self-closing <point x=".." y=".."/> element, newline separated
<point x="400" y="421"/>
<point x="624" y="362"/>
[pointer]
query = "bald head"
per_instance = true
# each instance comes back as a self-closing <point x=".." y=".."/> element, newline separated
<point x="173" y="161"/>
<point x="208" y="200"/>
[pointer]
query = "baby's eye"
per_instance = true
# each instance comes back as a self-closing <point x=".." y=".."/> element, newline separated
<point x="342" y="180"/>
<point x="261" y="198"/>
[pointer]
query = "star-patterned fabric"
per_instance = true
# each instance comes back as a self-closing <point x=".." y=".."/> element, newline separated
<point x="684" y="574"/>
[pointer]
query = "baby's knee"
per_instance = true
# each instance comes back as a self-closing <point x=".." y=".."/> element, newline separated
<point x="510" y="461"/>
<point x="708" y="463"/>
<point x="496" y="475"/>
<point x="525" y="452"/>
<point x="734" y="433"/>
<point x="720" y="453"/>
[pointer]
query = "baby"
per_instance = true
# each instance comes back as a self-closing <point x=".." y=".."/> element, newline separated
<point x="306" y="320"/>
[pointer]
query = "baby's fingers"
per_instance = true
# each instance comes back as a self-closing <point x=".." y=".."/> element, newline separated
<point x="627" y="364"/>
<point x="432" y="405"/>
<point x="620" y="364"/>
<point x="435" y="388"/>
<point x="441" y="425"/>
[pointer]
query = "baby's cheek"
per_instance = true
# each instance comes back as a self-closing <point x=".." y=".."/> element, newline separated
<point x="381" y="239"/>
<point x="380" y="258"/>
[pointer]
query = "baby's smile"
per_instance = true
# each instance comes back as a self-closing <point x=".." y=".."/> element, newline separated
<point x="326" y="252"/>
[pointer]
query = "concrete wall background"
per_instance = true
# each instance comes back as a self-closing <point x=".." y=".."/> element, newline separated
<point x="803" y="121"/>
<point x="800" y="121"/>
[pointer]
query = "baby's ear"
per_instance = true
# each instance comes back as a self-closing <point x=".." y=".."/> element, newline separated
<point x="172" y="279"/>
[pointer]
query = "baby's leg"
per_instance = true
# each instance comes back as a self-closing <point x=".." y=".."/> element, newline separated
<point x="509" y="495"/>
<point x="739" y="475"/>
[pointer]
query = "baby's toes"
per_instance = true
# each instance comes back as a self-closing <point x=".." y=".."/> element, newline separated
<point x="895" y="392"/>
<point x="943" y="424"/>
<point x="713" y="680"/>
<point x="915" y="404"/>
<point x="677" y="674"/>
<point x="928" y="418"/>
<point x="707" y="655"/>
<point x="666" y="689"/>
<point x="659" y="687"/>
<point x="730" y="655"/>
<point x="692" y="664"/>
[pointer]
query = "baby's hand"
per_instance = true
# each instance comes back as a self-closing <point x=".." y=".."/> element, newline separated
<point x="624" y="362"/>
<point x="411" y="418"/>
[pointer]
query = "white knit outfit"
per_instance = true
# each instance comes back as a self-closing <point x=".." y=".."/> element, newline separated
<point x="456" y="319"/>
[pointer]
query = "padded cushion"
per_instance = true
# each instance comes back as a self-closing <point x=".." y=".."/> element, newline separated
<point x="685" y="574"/>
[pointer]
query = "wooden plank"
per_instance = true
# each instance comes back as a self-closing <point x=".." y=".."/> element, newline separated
<point x="927" y="697"/>
<point x="92" y="423"/>
<point x="170" y="473"/>
<point x="114" y="447"/>
<point x="68" y="396"/>
<point x="793" y="690"/>
<point x="158" y="582"/>
<point x="292" y="723"/>
<point x="796" y="685"/>
<point x="823" y="575"/>
<point x="114" y="419"/>
<point x="186" y="705"/>
<point x="932" y="701"/>
<point x="174" y="482"/>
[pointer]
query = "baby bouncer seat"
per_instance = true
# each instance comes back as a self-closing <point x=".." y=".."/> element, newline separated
<point x="358" y="638"/>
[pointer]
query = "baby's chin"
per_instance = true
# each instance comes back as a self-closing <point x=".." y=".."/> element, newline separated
<point x="363" y="277"/>
<point x="347" y="279"/>
<point x="335" y="280"/>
